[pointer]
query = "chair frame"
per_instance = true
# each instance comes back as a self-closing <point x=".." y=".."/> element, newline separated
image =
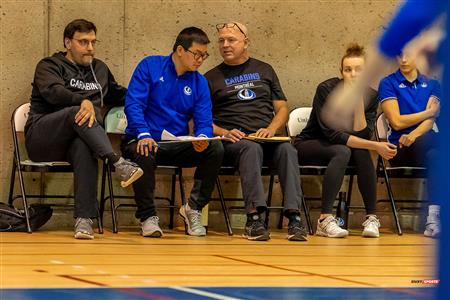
<point x="344" y="198"/>
<point x="21" y="166"/>
<point x="385" y="171"/>
<point x="107" y="170"/>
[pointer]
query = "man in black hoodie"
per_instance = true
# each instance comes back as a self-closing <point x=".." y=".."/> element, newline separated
<point x="69" y="90"/>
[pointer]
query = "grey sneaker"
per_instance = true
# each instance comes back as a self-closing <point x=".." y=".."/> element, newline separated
<point x="193" y="220"/>
<point x="128" y="171"/>
<point x="83" y="229"/>
<point x="150" y="227"/>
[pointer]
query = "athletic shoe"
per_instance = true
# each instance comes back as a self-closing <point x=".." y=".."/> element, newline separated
<point x="432" y="227"/>
<point x="329" y="227"/>
<point x="150" y="227"/>
<point x="371" y="225"/>
<point x="128" y="171"/>
<point x="296" y="230"/>
<point x="193" y="221"/>
<point x="255" y="229"/>
<point x="83" y="229"/>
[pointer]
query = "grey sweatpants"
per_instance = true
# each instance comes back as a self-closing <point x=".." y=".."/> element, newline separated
<point x="249" y="157"/>
<point x="56" y="137"/>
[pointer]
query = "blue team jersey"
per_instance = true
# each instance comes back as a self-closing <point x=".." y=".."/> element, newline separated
<point x="159" y="99"/>
<point x="412" y="97"/>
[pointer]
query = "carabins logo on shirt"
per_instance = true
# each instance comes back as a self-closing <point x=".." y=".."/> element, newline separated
<point x="246" y="94"/>
<point x="187" y="90"/>
<point x="424" y="84"/>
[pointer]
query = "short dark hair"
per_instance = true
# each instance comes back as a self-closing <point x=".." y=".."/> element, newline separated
<point x="80" y="25"/>
<point x="190" y="35"/>
<point x="353" y="50"/>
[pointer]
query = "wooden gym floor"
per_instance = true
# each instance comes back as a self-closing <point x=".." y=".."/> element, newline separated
<point x="206" y="267"/>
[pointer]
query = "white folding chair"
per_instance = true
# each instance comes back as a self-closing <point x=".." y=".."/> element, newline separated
<point x="386" y="171"/>
<point x="21" y="165"/>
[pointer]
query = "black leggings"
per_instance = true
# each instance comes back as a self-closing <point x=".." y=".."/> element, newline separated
<point x="337" y="157"/>
<point x="422" y="153"/>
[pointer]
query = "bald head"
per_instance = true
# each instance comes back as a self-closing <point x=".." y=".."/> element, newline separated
<point x="233" y="42"/>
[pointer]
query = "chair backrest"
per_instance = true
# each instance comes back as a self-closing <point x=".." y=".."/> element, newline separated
<point x="20" y="116"/>
<point x="382" y="127"/>
<point x="298" y="118"/>
<point x="116" y="120"/>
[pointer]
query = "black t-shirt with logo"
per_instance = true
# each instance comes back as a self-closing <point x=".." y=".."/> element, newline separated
<point x="242" y="95"/>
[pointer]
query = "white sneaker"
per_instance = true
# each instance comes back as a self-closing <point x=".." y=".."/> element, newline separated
<point x="432" y="227"/>
<point x="329" y="227"/>
<point x="371" y="225"/>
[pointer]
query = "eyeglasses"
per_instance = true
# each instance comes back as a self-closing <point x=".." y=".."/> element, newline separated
<point x="229" y="25"/>
<point x="85" y="43"/>
<point x="198" y="55"/>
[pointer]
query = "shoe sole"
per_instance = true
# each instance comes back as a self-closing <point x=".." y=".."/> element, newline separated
<point x="133" y="178"/>
<point x="294" y="237"/>
<point x="340" y="235"/>
<point x="154" y="234"/>
<point x="263" y="237"/>
<point x="187" y="228"/>
<point x="83" y="236"/>
<point x="370" y="235"/>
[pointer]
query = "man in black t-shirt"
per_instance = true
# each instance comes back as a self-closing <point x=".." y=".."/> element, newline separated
<point x="248" y="99"/>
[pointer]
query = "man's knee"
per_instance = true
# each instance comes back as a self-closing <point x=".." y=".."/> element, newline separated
<point x="216" y="149"/>
<point x="251" y="149"/>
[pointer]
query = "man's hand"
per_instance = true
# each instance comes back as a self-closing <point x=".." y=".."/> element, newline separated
<point x="407" y="140"/>
<point x="146" y="146"/>
<point x="386" y="150"/>
<point x="86" y="113"/>
<point x="264" y="133"/>
<point x="200" y="146"/>
<point x="234" y="135"/>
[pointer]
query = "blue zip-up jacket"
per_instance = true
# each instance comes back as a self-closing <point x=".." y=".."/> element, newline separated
<point x="159" y="99"/>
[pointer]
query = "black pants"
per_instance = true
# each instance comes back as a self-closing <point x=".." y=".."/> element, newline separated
<point x="420" y="154"/>
<point x="249" y="157"/>
<point x="337" y="157"/>
<point x="56" y="137"/>
<point x="183" y="155"/>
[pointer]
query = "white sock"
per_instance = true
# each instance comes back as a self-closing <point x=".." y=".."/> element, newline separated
<point x="433" y="210"/>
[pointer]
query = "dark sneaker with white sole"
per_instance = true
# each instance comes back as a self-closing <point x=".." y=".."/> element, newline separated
<point x="255" y="229"/>
<point x="296" y="230"/>
<point x="83" y="229"/>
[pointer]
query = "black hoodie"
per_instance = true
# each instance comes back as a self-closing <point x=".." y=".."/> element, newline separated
<point x="59" y="83"/>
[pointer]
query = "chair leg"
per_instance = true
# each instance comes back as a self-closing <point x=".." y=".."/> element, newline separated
<point x="172" y="201"/>
<point x="391" y="198"/>
<point x="102" y="199"/>
<point x="280" y="220"/>
<point x="24" y="199"/>
<point x="182" y="192"/>
<point x="111" y="200"/>
<point x="224" y="206"/>
<point x="12" y="183"/>
<point x="348" y="201"/>
<point x="269" y="198"/>
<point x="307" y="216"/>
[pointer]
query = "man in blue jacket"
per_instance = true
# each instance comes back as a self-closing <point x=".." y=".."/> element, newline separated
<point x="166" y="92"/>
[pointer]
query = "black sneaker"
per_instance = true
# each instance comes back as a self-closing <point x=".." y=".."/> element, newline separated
<point x="255" y="230"/>
<point x="296" y="230"/>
